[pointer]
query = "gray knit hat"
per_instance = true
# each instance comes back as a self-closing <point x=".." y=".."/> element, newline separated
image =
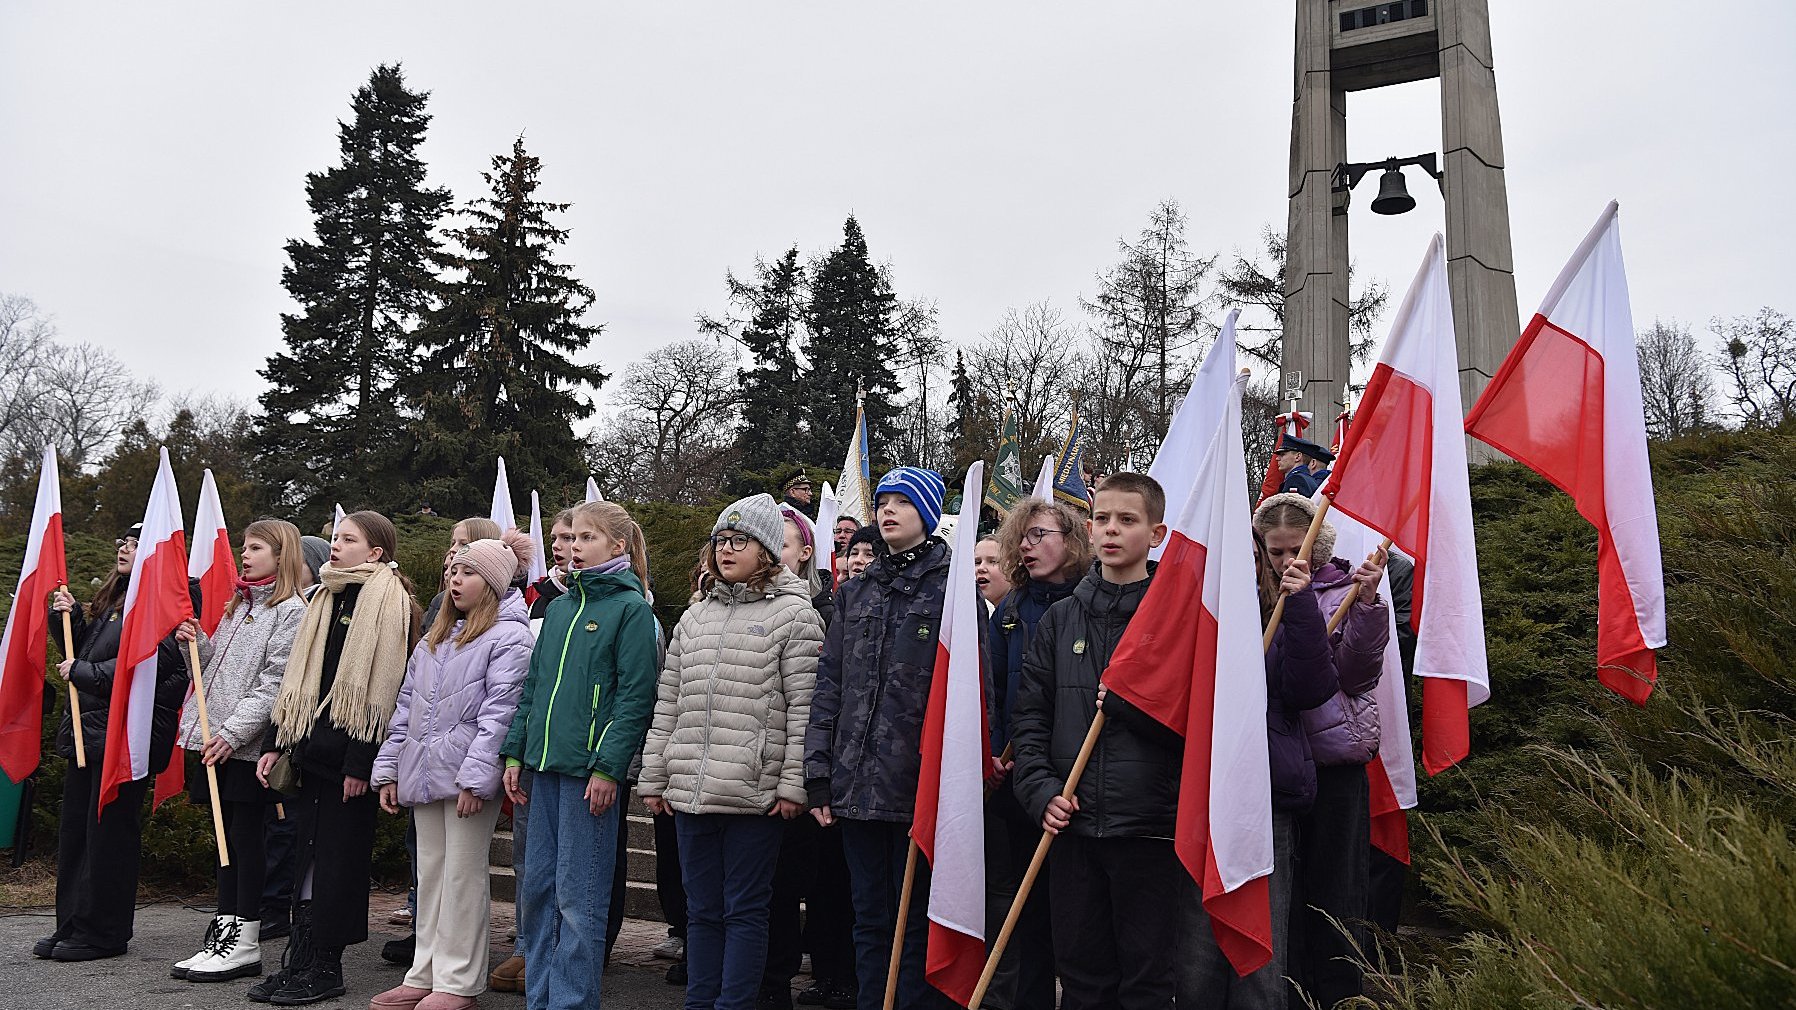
<point x="316" y="551"/>
<point x="758" y="517"/>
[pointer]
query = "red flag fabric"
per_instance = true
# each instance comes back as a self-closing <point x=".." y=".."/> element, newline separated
<point x="155" y="603"/>
<point x="214" y="565"/>
<point x="1292" y="424"/>
<point x="1566" y="403"/>
<point x="1403" y="473"/>
<point x="949" y="823"/>
<point x="25" y="645"/>
<point x="1191" y="659"/>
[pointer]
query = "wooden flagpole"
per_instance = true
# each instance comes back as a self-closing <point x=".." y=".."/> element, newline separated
<point x="1340" y="613"/>
<point x="68" y="652"/>
<point x="1303" y="554"/>
<point x="910" y="882"/>
<point x="199" y="692"/>
<point x="1035" y="864"/>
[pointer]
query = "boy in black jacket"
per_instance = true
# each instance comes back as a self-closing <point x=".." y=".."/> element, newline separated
<point x="1115" y="882"/>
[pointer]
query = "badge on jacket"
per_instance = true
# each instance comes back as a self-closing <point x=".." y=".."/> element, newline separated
<point x="922" y="631"/>
<point x="344" y="620"/>
<point x="1079" y="647"/>
<point x="592" y="625"/>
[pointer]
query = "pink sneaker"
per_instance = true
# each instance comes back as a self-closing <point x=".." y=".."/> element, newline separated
<point x="403" y="998"/>
<point x="447" y="1001"/>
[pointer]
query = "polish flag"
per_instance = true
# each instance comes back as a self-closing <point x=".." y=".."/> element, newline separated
<point x="949" y="824"/>
<point x="1392" y="776"/>
<point x="155" y="603"/>
<point x="823" y="535"/>
<point x="1402" y="472"/>
<point x="592" y="490"/>
<point x="502" y="514"/>
<point x="1567" y="404"/>
<point x="1191" y="658"/>
<point x="26" y="642"/>
<point x="1192" y="426"/>
<point x="213" y="563"/>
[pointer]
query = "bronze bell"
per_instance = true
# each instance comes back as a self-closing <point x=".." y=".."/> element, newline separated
<point x="1393" y="195"/>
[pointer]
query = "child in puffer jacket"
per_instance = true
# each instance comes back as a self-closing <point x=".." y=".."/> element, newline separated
<point x="1334" y="850"/>
<point x="725" y="754"/>
<point x="441" y="759"/>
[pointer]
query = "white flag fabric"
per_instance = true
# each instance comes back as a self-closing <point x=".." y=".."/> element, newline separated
<point x="212" y="562"/>
<point x="1194" y="423"/>
<point x="1044" y="480"/>
<point x="502" y="514"/>
<point x="823" y="535"/>
<point x="592" y="491"/>
<point x="336" y="519"/>
<point x="539" y="561"/>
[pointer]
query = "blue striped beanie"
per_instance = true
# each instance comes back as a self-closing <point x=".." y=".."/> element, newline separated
<point x="924" y="489"/>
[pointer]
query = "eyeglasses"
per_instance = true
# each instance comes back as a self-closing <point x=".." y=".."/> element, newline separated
<point x="1035" y="534"/>
<point x="122" y="541"/>
<point x="736" y="542"/>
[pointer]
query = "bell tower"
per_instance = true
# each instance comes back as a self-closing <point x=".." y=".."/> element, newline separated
<point x="1345" y="46"/>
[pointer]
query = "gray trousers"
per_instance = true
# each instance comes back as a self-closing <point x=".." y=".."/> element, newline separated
<point x="1206" y="979"/>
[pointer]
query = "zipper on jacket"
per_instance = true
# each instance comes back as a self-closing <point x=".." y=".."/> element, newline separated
<point x="560" y="665"/>
<point x="704" y="758"/>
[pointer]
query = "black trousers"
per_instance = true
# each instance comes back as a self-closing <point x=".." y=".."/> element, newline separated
<point x="240" y="884"/>
<point x="669" y="887"/>
<point x="1025" y="976"/>
<point x="1334" y="843"/>
<point x="1116" y="920"/>
<point x="96" y="859"/>
<point x="336" y="845"/>
<point x="812" y="872"/>
<point x="280" y="836"/>
<point x="620" y="872"/>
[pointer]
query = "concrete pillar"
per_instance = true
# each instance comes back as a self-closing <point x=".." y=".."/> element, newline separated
<point x="1316" y="296"/>
<point x="1480" y="261"/>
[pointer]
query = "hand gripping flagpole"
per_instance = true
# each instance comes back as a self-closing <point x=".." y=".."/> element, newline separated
<point x="199" y="694"/>
<point x="1035" y="864"/>
<point x="1352" y="592"/>
<point x="68" y="652"/>
<point x="1303" y="554"/>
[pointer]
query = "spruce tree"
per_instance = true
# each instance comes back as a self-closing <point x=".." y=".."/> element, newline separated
<point x="851" y="342"/>
<point x="963" y="423"/>
<point x="329" y="416"/>
<point x="496" y="374"/>
<point x="772" y="409"/>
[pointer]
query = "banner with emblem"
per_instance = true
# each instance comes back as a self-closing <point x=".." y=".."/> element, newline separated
<point x="1005" y="486"/>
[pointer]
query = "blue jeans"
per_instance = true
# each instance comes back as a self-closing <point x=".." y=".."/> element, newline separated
<point x="876" y="852"/>
<point x="726" y="864"/>
<point x="567" y="887"/>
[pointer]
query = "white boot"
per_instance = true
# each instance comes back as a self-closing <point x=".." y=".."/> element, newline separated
<point x="214" y="929"/>
<point x="238" y="954"/>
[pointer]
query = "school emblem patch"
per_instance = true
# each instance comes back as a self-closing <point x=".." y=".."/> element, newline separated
<point x="922" y="631"/>
<point x="732" y="519"/>
<point x="592" y="625"/>
<point x="1079" y="647"/>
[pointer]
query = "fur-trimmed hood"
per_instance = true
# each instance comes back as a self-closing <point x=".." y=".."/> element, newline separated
<point x="1325" y="537"/>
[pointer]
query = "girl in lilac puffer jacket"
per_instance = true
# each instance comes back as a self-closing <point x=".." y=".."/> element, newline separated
<point x="441" y="758"/>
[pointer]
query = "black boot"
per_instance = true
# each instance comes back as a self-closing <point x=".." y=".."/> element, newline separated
<point x="400" y="951"/>
<point x="295" y="960"/>
<point x="322" y="980"/>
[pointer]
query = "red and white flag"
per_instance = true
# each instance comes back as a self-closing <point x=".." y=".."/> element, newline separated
<point x="213" y="562"/>
<point x="1392" y="778"/>
<point x="1402" y="472"/>
<point x="1192" y="426"/>
<point x="26" y="642"/>
<point x="1567" y="404"/>
<point x="1191" y="658"/>
<point x="949" y="825"/>
<point x="502" y="513"/>
<point x="155" y="603"/>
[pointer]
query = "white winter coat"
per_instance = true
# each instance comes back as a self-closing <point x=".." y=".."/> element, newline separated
<point x="734" y="700"/>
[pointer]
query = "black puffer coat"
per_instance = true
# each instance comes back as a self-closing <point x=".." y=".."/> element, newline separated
<point x="1131" y="786"/>
<point x="96" y="660"/>
<point x="863" y="747"/>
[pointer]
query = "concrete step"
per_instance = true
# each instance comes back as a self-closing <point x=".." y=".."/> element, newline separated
<point x="502" y="883"/>
<point x="641" y="866"/>
<point x="498" y="853"/>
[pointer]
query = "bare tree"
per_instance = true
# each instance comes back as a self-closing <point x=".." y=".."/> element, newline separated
<point x="1036" y="353"/>
<point x="27" y="338"/>
<point x="672" y="433"/>
<point x="1676" y="384"/>
<point x="1759" y="359"/>
<point x="924" y="352"/>
<point x="86" y="399"/>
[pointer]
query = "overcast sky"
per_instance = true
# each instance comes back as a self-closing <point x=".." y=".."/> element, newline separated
<point x="155" y="154"/>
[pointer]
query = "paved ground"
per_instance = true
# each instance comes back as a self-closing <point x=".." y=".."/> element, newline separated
<point x="169" y="932"/>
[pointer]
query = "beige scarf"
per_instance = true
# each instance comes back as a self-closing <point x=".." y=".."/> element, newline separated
<point x="371" y="668"/>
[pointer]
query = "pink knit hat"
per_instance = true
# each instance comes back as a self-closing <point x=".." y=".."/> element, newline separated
<point x="500" y="562"/>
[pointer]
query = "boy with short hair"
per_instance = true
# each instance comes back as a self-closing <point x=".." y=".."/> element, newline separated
<point x="1115" y="881"/>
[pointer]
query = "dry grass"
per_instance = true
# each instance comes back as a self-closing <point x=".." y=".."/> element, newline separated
<point x="30" y="886"/>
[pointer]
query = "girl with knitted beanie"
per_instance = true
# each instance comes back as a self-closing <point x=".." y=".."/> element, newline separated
<point x="441" y="759"/>
<point x="330" y="717"/>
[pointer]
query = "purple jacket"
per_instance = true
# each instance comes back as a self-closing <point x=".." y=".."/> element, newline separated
<point x="1344" y="730"/>
<point x="1300" y="675"/>
<point x="454" y="711"/>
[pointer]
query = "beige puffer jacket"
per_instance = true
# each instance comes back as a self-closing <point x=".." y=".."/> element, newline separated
<point x="734" y="701"/>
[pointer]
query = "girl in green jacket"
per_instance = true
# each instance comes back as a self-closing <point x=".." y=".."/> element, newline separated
<point x="586" y="706"/>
